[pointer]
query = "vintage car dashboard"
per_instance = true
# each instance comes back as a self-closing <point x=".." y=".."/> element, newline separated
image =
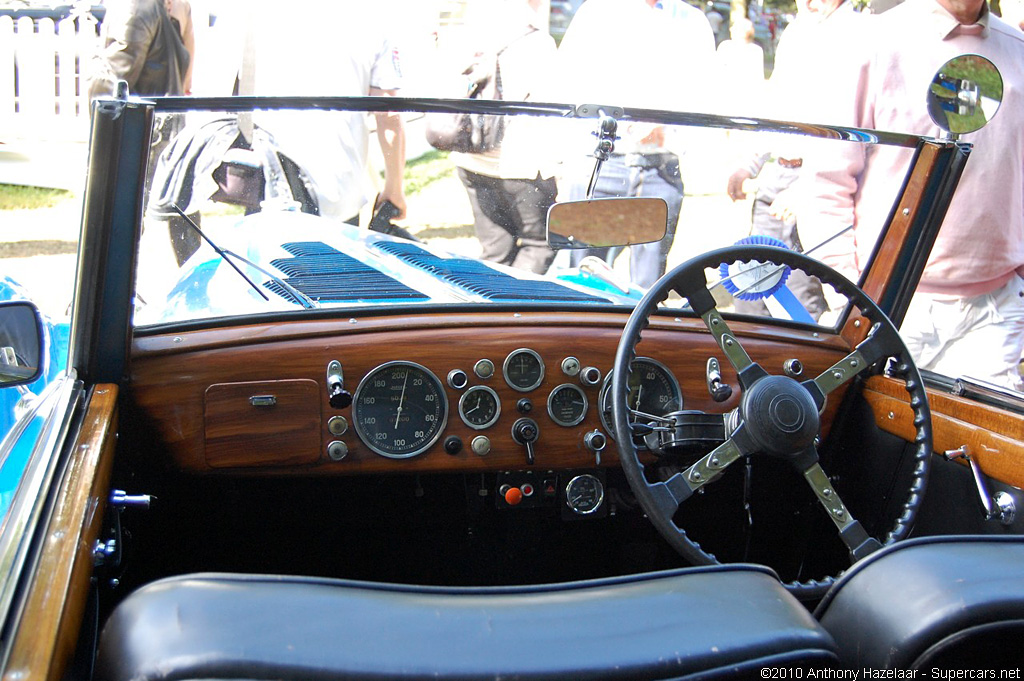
<point x="427" y="393"/>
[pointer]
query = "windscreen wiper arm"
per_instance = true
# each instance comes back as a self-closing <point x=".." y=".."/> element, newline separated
<point x="305" y="300"/>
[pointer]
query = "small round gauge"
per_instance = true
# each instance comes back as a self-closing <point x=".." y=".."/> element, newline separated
<point x="567" y="404"/>
<point x="584" y="494"/>
<point x="479" y="407"/>
<point x="400" y="409"/>
<point x="652" y="390"/>
<point x="523" y="370"/>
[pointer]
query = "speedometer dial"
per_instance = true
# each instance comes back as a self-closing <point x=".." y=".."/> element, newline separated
<point x="652" y="390"/>
<point x="400" y="409"/>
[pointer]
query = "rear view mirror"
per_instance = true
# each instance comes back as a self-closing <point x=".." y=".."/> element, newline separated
<point x="601" y="223"/>
<point x="965" y="94"/>
<point x="21" y="343"/>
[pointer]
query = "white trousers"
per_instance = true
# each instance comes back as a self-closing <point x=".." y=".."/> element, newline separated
<point x="980" y="337"/>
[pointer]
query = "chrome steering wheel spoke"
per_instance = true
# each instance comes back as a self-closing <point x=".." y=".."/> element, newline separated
<point x="671" y="493"/>
<point x="853" y="534"/>
<point x="869" y="352"/>
<point x="747" y="370"/>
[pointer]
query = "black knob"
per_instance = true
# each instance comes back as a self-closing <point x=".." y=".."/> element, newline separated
<point x="452" y="445"/>
<point x="524" y="406"/>
<point x="339" y="397"/>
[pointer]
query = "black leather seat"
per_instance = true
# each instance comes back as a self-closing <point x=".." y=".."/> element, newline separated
<point x="719" y="621"/>
<point x="950" y="602"/>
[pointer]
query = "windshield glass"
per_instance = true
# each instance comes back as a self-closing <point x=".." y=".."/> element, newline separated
<point x="281" y="211"/>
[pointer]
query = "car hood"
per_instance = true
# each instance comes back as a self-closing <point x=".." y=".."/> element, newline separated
<point x="295" y="260"/>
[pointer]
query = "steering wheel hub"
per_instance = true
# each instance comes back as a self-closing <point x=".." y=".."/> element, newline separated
<point x="781" y="415"/>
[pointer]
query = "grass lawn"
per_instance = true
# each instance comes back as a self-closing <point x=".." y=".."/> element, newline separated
<point x="15" y="197"/>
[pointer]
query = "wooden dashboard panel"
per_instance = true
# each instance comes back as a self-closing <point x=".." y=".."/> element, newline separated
<point x="172" y="374"/>
<point x="273" y="423"/>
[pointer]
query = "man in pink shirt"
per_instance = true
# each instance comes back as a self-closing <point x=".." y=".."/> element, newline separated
<point x="967" y="317"/>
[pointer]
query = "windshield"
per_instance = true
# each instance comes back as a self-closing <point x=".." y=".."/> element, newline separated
<point x="279" y="210"/>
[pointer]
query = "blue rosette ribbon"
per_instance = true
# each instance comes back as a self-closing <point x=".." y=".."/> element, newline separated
<point x="755" y="280"/>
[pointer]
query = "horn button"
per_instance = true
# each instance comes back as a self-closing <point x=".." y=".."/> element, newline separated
<point x="780" y="415"/>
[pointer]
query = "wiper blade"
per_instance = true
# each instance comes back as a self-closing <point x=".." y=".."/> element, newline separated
<point x="306" y="301"/>
<point x="220" y="252"/>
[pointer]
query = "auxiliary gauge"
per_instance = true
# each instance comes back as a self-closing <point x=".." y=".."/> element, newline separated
<point x="523" y="370"/>
<point x="479" y="407"/>
<point x="567" y="404"/>
<point x="584" y="494"/>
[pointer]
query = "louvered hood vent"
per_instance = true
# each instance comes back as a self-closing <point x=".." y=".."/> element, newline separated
<point x="327" y="275"/>
<point x="482" y="280"/>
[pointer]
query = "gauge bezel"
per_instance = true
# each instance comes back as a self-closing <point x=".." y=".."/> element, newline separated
<point x="508" y="360"/>
<point x="600" y="499"/>
<point x="607" y="385"/>
<point x="497" y="407"/>
<point x="583" y="413"/>
<point x="357" y="421"/>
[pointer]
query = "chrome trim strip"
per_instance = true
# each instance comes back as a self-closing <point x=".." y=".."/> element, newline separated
<point x="505" y="107"/>
<point x="976" y="389"/>
<point x="31" y="498"/>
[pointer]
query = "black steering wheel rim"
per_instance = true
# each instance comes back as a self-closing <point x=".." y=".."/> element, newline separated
<point x="661" y="500"/>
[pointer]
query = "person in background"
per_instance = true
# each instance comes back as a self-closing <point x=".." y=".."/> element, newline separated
<point x="741" y="64"/>
<point x="804" y="43"/>
<point x="596" y="63"/>
<point x="509" y="194"/>
<point x="717" y="22"/>
<point x="149" y="44"/>
<point x="967" y="316"/>
<point x="334" y="48"/>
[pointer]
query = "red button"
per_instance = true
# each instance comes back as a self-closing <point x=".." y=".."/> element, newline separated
<point x="513" y="496"/>
<point x="527" y="490"/>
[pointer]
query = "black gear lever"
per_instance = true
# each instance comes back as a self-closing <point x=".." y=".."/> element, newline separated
<point x="525" y="432"/>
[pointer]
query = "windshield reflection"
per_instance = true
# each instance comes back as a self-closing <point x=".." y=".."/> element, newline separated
<point x="264" y="217"/>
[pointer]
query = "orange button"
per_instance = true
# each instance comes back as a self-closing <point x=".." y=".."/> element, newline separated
<point x="513" y="495"/>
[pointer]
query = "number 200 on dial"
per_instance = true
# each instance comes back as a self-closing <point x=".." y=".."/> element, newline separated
<point x="399" y="409"/>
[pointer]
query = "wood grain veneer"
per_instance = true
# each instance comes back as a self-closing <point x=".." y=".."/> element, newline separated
<point x="171" y="374"/>
<point x="994" y="438"/>
<point x="47" y="634"/>
<point x="241" y="433"/>
<point x="885" y="265"/>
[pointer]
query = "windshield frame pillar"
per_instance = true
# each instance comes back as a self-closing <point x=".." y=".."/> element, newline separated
<point x="119" y="148"/>
<point x="896" y="264"/>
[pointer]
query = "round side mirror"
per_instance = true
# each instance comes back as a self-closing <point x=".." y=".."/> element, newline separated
<point x="965" y="94"/>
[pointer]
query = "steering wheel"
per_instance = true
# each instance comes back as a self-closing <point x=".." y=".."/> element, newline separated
<point x="777" y="416"/>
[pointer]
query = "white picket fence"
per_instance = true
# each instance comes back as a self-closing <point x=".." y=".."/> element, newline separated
<point x="44" y="105"/>
<point x="43" y="93"/>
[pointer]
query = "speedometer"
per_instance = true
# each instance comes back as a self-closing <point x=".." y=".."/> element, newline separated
<point x="400" y="409"/>
<point x="652" y="390"/>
